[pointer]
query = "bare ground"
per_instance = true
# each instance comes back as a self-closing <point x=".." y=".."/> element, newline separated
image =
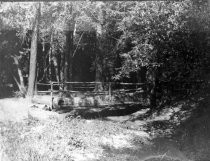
<point x="135" y="137"/>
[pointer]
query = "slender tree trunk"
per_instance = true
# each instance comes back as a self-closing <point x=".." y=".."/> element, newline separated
<point x="141" y="78"/>
<point x="55" y="64"/>
<point x="54" y="60"/>
<point x="33" y="55"/>
<point x="62" y="67"/>
<point x="154" y="91"/>
<point x="153" y="98"/>
<point x="98" y="74"/>
<point x="69" y="55"/>
<point x="98" y="62"/>
<point x="141" y="75"/>
<point x="68" y="58"/>
<point x="22" y="84"/>
<point x="21" y="79"/>
<point x="50" y="53"/>
<point x="50" y="65"/>
<point x="68" y="68"/>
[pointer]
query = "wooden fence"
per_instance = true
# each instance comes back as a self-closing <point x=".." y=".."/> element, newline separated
<point x="109" y="88"/>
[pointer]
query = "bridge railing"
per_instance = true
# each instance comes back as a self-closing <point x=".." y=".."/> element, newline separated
<point x="109" y="88"/>
<point x="142" y="90"/>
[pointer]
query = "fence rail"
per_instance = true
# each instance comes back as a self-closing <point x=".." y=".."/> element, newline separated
<point x="109" y="88"/>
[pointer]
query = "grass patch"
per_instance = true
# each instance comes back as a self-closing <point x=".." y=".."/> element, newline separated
<point x="67" y="140"/>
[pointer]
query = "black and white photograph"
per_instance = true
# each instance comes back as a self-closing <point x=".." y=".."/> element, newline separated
<point x="112" y="80"/>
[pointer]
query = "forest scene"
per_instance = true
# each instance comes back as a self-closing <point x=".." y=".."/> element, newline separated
<point x="105" y="81"/>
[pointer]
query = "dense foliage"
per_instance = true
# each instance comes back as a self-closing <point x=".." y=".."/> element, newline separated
<point x="159" y="43"/>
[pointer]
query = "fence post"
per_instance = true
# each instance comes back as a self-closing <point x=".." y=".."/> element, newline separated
<point x="35" y="89"/>
<point x="110" y="92"/>
<point x="51" y="95"/>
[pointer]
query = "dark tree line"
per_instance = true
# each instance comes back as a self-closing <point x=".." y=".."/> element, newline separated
<point x="162" y="44"/>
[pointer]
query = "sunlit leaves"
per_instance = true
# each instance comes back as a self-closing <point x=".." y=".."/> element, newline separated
<point x="18" y="16"/>
<point x="160" y="34"/>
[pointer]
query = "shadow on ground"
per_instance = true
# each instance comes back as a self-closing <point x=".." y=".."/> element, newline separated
<point x="155" y="152"/>
<point x="101" y="112"/>
<point x="193" y="133"/>
<point x="183" y="127"/>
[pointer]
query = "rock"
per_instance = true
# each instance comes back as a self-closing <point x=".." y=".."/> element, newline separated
<point x="40" y="106"/>
<point x="98" y="101"/>
<point x="76" y="101"/>
<point x="89" y="101"/>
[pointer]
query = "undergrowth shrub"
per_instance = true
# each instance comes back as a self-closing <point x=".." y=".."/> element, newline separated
<point x="55" y="139"/>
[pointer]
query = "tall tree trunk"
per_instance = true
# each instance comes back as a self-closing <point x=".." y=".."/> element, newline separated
<point x="69" y="31"/>
<point x="50" y="53"/>
<point x="69" y="55"/>
<point x="33" y="55"/>
<point x="98" y="73"/>
<point x="62" y="68"/>
<point x="54" y="59"/>
<point x="98" y="62"/>
<point x="155" y="89"/>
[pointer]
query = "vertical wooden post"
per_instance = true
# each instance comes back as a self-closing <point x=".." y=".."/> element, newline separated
<point x="35" y="91"/>
<point x="51" y="95"/>
<point x="110" y="92"/>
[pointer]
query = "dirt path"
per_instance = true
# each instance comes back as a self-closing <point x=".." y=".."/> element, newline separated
<point x="18" y="109"/>
<point x="13" y="109"/>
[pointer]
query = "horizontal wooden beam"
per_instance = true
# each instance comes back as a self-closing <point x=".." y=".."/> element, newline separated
<point x="70" y="0"/>
<point x="89" y="83"/>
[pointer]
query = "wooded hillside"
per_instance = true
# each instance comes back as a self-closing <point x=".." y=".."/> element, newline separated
<point x="163" y="44"/>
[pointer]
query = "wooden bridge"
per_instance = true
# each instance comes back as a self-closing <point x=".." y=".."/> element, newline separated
<point x="72" y="92"/>
<point x="57" y="94"/>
